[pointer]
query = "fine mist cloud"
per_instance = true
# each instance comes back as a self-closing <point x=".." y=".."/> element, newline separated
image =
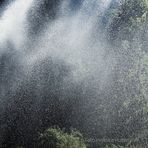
<point x="50" y="70"/>
<point x="12" y="22"/>
<point x="73" y="37"/>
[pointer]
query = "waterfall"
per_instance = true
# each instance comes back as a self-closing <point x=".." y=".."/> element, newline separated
<point x="66" y="51"/>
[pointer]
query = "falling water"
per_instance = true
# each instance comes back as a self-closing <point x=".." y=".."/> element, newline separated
<point x="71" y="38"/>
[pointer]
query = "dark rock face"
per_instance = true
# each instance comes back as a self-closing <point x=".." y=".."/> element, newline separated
<point x="75" y="4"/>
<point x="41" y="13"/>
<point x="44" y="11"/>
<point x="3" y="4"/>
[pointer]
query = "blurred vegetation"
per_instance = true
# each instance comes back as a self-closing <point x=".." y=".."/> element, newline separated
<point x="131" y="16"/>
<point x="56" y="138"/>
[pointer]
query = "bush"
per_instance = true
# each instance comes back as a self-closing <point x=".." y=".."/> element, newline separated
<point x="56" y="138"/>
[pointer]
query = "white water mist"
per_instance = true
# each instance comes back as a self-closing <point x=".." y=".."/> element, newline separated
<point x="71" y="37"/>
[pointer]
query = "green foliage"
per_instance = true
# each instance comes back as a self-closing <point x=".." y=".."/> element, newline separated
<point x="144" y="75"/>
<point x="118" y="146"/>
<point x="56" y="138"/>
<point x="131" y="16"/>
<point x="134" y="8"/>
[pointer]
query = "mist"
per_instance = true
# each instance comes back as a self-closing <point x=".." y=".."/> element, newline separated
<point x="72" y="37"/>
<point x="57" y="67"/>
